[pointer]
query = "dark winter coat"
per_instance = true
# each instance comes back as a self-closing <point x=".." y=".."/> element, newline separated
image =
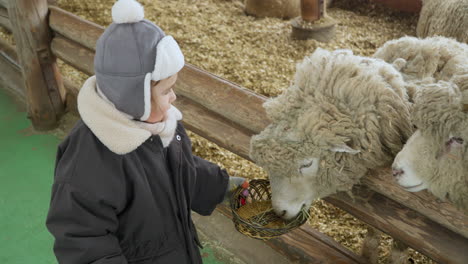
<point x="133" y="207"/>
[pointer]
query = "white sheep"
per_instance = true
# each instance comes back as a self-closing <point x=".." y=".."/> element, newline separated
<point x="430" y="59"/>
<point x="436" y="156"/>
<point x="436" y="71"/>
<point x="343" y="115"/>
<point x="273" y="8"/>
<point x="447" y="18"/>
<point x="276" y="8"/>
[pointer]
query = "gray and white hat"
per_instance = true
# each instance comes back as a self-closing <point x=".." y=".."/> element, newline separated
<point x="130" y="53"/>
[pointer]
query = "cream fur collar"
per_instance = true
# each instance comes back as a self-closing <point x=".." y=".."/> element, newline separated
<point x="114" y="129"/>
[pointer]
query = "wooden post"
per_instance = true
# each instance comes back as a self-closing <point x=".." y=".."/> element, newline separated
<point x="313" y="22"/>
<point x="44" y="88"/>
<point x="310" y="10"/>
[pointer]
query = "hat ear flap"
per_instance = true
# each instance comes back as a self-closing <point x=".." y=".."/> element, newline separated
<point x="169" y="59"/>
<point x="147" y="97"/>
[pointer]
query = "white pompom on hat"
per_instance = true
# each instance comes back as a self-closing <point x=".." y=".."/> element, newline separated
<point x="127" y="11"/>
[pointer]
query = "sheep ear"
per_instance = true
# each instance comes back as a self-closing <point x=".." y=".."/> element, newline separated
<point x="344" y="148"/>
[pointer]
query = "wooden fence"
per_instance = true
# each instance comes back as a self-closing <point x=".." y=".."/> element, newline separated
<point x="226" y="114"/>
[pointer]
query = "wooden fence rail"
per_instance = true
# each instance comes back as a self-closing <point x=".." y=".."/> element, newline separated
<point x="211" y="108"/>
<point x="10" y="76"/>
<point x="4" y="19"/>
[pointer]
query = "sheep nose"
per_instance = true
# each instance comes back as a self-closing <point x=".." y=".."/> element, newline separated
<point x="397" y="172"/>
<point x="283" y="213"/>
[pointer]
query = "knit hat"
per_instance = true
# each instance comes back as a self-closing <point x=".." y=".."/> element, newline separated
<point x="130" y="53"/>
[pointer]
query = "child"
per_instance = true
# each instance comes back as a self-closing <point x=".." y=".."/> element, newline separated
<point x="125" y="177"/>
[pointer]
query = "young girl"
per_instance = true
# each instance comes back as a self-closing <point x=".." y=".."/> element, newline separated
<point x="125" y="177"/>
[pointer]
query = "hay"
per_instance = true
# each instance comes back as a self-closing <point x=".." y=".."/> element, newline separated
<point x="7" y="36"/>
<point x="259" y="54"/>
<point x="313" y="24"/>
<point x="250" y="210"/>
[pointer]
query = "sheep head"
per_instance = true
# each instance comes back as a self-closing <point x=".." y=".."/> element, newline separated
<point x="436" y="156"/>
<point x="303" y="152"/>
<point x="300" y="169"/>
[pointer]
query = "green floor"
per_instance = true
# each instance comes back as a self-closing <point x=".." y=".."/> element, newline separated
<point x="26" y="173"/>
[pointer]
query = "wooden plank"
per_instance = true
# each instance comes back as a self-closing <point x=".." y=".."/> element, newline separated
<point x="43" y="85"/>
<point x="74" y="54"/>
<point x="4" y="19"/>
<point x="227" y="134"/>
<point x="423" y="202"/>
<point x="404" y="224"/>
<point x="235" y="103"/>
<point x="71" y="95"/>
<point x="306" y="245"/>
<point x="11" y="77"/>
<point x="74" y="28"/>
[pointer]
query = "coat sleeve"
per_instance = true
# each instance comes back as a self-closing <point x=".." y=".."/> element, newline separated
<point x="83" y="227"/>
<point x="211" y="186"/>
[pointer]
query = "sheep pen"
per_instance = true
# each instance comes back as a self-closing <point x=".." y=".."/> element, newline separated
<point x="217" y="36"/>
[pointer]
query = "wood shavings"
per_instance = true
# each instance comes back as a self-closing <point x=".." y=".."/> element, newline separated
<point x="313" y="24"/>
<point x="7" y="36"/>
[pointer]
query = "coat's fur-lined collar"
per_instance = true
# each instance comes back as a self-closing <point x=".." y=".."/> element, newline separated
<point x="115" y="130"/>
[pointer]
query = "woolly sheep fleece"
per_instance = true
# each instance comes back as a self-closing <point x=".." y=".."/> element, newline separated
<point x="430" y="60"/>
<point x="342" y="115"/>
<point x="447" y="18"/>
<point x="432" y="158"/>
<point x="437" y="154"/>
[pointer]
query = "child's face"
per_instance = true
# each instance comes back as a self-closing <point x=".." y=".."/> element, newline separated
<point x="162" y="96"/>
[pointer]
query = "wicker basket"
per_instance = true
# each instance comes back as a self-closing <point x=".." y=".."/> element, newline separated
<point x="255" y="227"/>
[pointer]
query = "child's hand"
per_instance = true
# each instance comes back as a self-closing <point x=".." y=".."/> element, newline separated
<point x="235" y="182"/>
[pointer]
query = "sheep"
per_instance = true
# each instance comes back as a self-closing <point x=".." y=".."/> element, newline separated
<point x="276" y="8"/>
<point x="436" y="72"/>
<point x="445" y="18"/>
<point x="273" y="8"/>
<point x="343" y="115"/>
<point x="430" y="59"/>
<point x="436" y="156"/>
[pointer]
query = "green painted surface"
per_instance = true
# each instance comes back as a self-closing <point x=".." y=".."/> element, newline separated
<point x="26" y="169"/>
<point x="26" y="173"/>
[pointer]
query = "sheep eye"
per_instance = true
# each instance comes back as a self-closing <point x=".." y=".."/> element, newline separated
<point x="306" y="165"/>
